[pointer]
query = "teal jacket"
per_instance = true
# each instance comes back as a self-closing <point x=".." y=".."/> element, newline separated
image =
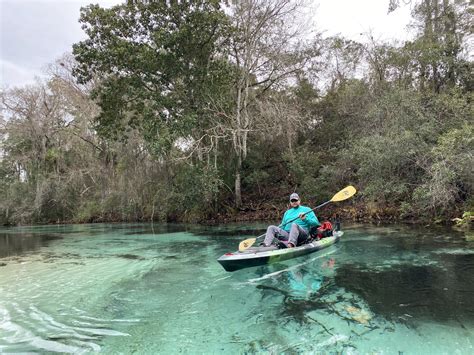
<point x="310" y="221"/>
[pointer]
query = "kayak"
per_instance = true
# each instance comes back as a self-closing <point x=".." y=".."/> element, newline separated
<point x="257" y="256"/>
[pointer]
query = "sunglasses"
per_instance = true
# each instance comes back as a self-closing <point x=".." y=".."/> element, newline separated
<point x="293" y="200"/>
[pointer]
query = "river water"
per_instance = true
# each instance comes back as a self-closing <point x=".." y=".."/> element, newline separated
<point x="139" y="288"/>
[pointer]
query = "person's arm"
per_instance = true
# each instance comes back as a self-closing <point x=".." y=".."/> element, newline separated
<point x="312" y="220"/>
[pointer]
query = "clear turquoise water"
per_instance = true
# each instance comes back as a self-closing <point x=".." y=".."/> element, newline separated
<point x="137" y="288"/>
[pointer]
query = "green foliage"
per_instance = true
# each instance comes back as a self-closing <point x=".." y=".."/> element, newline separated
<point x="88" y="212"/>
<point x="449" y="179"/>
<point x="342" y="113"/>
<point x="303" y="170"/>
<point x="194" y="192"/>
<point x="157" y="66"/>
<point x="257" y="178"/>
<point x="465" y="221"/>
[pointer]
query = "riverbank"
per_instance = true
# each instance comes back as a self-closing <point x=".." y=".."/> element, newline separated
<point x="270" y="211"/>
<point x="366" y="213"/>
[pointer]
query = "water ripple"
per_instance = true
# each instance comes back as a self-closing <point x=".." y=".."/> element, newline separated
<point x="31" y="329"/>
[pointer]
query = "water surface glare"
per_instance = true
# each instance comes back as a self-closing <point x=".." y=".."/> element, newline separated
<point x="138" y="288"/>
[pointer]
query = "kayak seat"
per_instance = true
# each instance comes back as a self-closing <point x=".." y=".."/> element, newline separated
<point x="313" y="233"/>
<point x="317" y="234"/>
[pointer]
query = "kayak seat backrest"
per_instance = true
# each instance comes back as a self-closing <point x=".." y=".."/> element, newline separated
<point x="316" y="233"/>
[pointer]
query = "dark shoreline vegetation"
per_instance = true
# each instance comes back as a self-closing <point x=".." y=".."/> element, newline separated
<point x="181" y="112"/>
<point x="348" y="214"/>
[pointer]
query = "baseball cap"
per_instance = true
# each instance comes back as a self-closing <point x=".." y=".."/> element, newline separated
<point x="294" y="196"/>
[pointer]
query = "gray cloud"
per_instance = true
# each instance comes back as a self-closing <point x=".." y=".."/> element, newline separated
<point x="35" y="33"/>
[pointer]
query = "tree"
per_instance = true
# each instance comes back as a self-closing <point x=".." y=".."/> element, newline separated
<point x="342" y="60"/>
<point x="267" y="50"/>
<point x="443" y="26"/>
<point x="155" y="61"/>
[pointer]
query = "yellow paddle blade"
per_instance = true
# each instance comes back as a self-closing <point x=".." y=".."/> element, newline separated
<point x="344" y="194"/>
<point x="247" y="243"/>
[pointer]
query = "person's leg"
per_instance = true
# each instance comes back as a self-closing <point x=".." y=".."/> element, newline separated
<point x="272" y="231"/>
<point x="297" y="233"/>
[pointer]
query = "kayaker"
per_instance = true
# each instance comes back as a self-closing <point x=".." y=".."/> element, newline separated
<point x="297" y="231"/>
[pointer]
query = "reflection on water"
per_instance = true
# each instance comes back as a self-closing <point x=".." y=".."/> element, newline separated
<point x="158" y="289"/>
<point x="425" y="292"/>
<point x="14" y="244"/>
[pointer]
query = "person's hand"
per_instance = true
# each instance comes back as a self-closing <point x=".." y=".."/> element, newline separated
<point x="302" y="216"/>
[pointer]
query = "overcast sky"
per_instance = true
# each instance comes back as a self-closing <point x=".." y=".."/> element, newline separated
<point x="35" y="33"/>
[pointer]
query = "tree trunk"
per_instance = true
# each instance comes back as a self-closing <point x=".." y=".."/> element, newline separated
<point x="238" y="192"/>
<point x="436" y="41"/>
<point x="451" y="43"/>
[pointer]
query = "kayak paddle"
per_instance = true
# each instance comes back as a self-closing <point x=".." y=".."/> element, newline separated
<point x="342" y="195"/>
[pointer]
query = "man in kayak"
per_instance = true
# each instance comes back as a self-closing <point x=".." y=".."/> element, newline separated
<point x="298" y="230"/>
